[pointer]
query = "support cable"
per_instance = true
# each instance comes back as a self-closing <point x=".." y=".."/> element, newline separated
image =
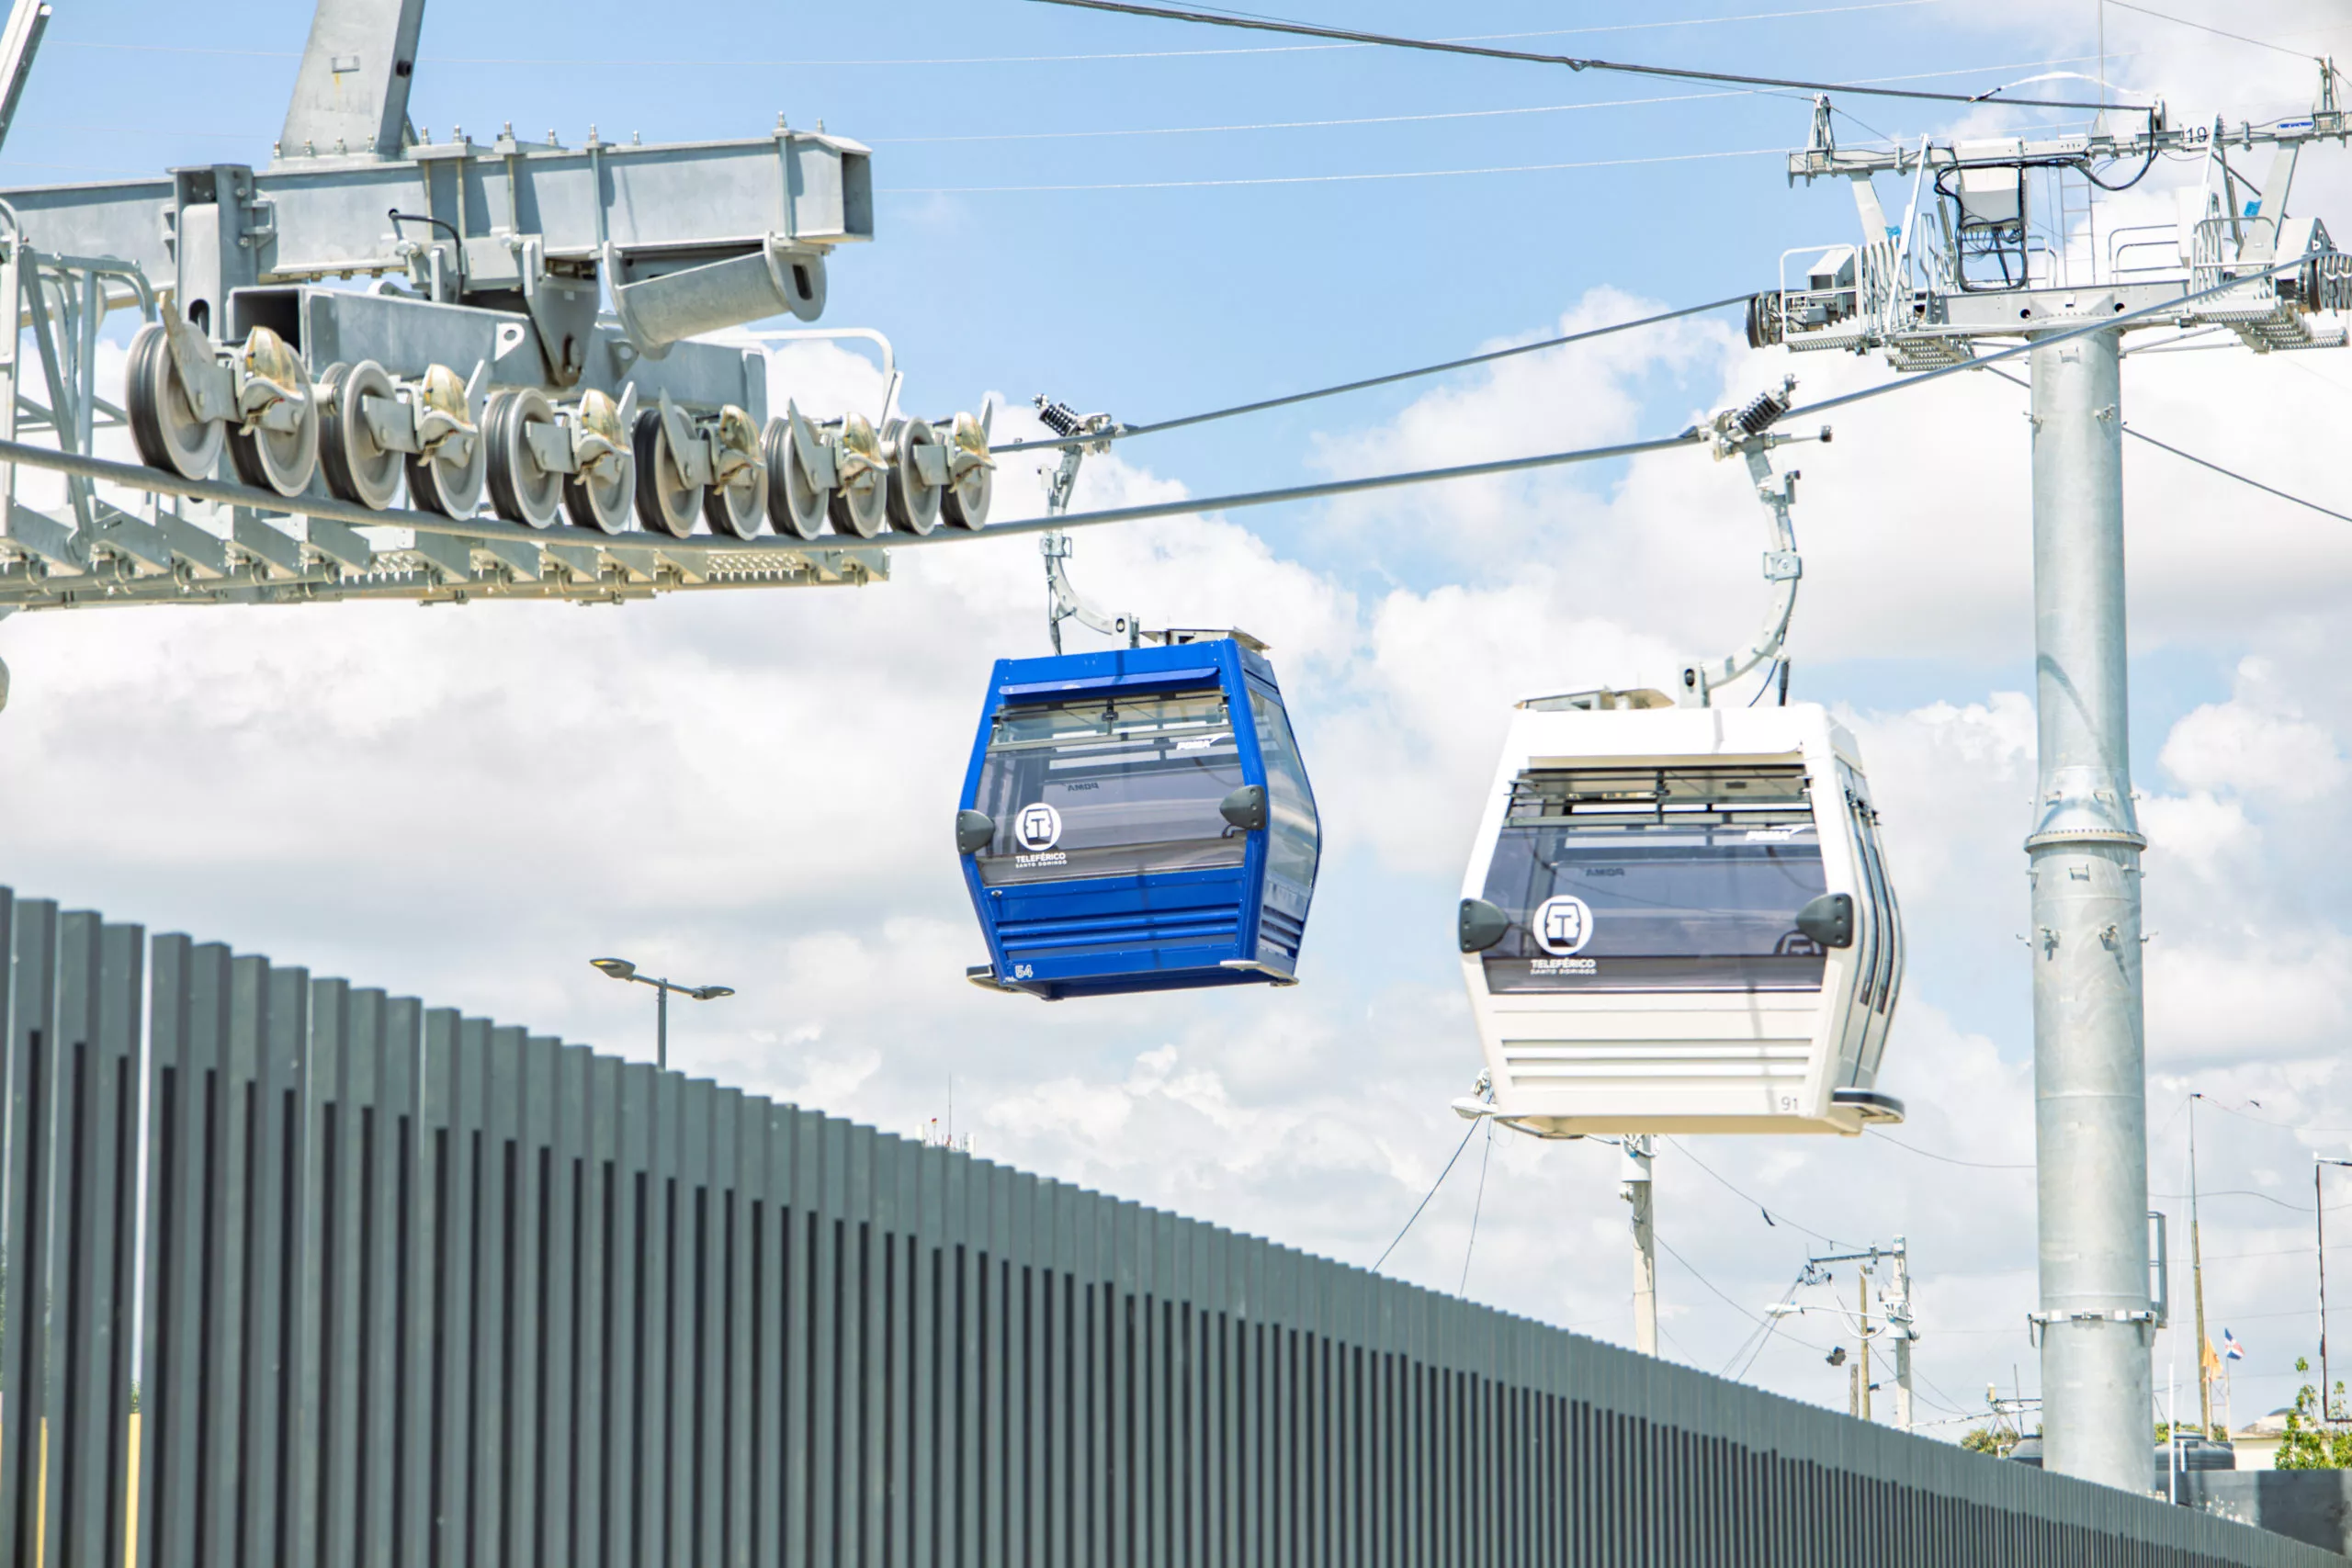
<point x="2216" y="467"/>
<point x="1689" y="438"/>
<point x="1426" y="1197"/>
<point x="1122" y="432"/>
<point x="1574" y="62"/>
<point x="156" y="481"/>
<point x="1477" y="1205"/>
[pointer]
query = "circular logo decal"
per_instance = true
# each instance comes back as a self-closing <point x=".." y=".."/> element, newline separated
<point x="1562" y="925"/>
<point x="1038" y="828"/>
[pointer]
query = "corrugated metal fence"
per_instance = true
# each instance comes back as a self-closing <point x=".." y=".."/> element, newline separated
<point x="419" y="1288"/>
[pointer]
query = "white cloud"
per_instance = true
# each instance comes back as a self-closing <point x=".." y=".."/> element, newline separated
<point x="755" y="790"/>
<point x="2249" y="747"/>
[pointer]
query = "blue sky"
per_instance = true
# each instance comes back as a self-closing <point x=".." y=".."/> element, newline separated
<point x="429" y="800"/>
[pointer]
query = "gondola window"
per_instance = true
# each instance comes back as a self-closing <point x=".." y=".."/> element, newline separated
<point x="1633" y="879"/>
<point x="1134" y="784"/>
<point x="1294" y="833"/>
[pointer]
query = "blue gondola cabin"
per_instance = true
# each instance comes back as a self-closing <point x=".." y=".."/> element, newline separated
<point x="1138" y="821"/>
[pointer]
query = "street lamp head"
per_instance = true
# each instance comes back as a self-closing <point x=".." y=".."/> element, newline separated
<point x="711" y="993"/>
<point x="618" y="968"/>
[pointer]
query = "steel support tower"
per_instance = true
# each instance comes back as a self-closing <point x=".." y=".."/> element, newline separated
<point x="1990" y="249"/>
<point x="2090" y="1087"/>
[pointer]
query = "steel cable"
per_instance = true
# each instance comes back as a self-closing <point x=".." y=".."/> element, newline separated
<point x="1574" y="62"/>
<point x="2267" y="490"/>
<point x="1121" y="432"/>
<point x="1477" y="1205"/>
<point x="1427" y="1196"/>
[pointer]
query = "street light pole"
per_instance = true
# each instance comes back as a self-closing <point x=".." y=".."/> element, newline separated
<point x="622" y="969"/>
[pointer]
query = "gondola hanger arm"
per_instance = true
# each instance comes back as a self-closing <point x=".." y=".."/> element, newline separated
<point x="1063" y="599"/>
<point x="1746" y="433"/>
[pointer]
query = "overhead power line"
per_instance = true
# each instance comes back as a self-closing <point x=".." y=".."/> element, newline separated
<point x="1574" y="62"/>
<point x="1122" y="432"/>
<point x="1027" y="58"/>
<point x="1330" y="179"/>
<point x="1945" y="1159"/>
<point x="1770" y="1215"/>
<point x="2200" y="27"/>
<point x="1346" y="122"/>
<point x="1353" y="120"/>
<point x="2245" y="1193"/>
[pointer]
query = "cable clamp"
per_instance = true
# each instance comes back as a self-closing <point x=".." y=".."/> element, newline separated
<point x="2037" y="1323"/>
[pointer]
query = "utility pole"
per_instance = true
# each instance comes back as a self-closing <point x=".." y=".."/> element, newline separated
<point x="1897" y="1300"/>
<point x="1639" y="1153"/>
<point x="1968" y="263"/>
<point x="2197" y="1283"/>
<point x="1897" y="1322"/>
<point x="1862" y="1343"/>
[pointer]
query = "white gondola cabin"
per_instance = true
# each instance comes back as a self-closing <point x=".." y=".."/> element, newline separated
<point x="1677" y="919"/>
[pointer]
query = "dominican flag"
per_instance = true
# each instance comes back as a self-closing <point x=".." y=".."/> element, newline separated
<point x="2231" y="1349"/>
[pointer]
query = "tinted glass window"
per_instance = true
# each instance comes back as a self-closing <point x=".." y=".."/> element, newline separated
<point x="1293" y="833"/>
<point x="1102" y="786"/>
<point x="1691" y="884"/>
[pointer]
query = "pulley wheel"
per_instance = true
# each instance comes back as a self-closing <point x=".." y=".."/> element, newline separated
<point x="913" y="500"/>
<point x="600" y="496"/>
<point x="439" y="481"/>
<point x="861" y="505"/>
<point x="280" y="460"/>
<point x="522" y="489"/>
<point x="964" y="504"/>
<point x="665" y="500"/>
<point x="795" y="503"/>
<point x="358" y="468"/>
<point x="163" y="423"/>
<point x="736" y="507"/>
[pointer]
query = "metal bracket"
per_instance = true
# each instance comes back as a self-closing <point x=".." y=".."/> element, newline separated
<point x="1746" y="432"/>
<point x="1063" y="601"/>
<point x="2038" y="1323"/>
